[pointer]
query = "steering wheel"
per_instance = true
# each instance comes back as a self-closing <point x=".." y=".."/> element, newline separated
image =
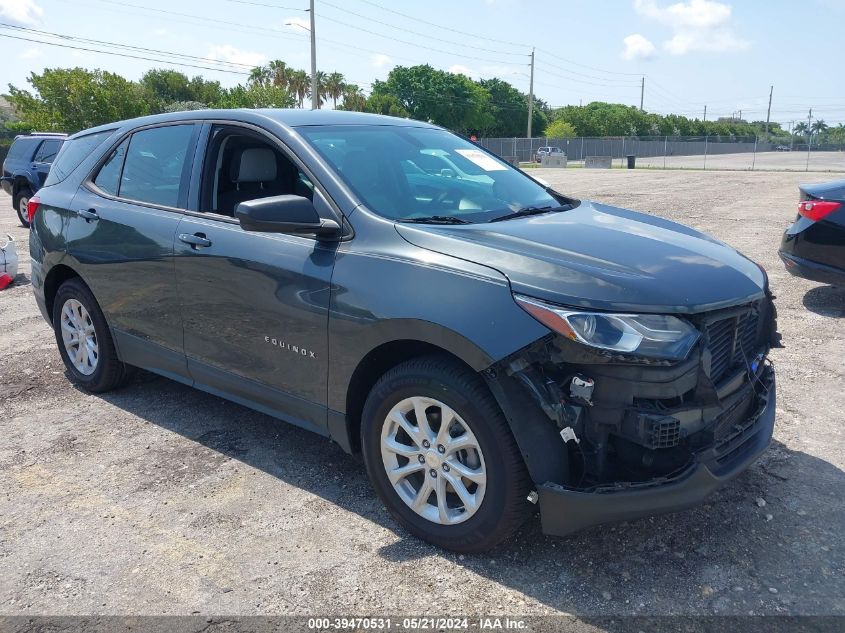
<point x="444" y="195"/>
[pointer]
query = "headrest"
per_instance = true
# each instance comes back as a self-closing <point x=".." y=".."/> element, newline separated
<point x="254" y="164"/>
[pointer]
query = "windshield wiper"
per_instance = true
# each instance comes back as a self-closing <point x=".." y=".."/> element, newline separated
<point x="524" y="211"/>
<point x="436" y="219"/>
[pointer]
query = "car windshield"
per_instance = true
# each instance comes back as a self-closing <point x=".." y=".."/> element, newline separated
<point x="416" y="174"/>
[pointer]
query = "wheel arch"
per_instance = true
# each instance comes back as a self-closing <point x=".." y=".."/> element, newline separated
<point x="58" y="274"/>
<point x="373" y="365"/>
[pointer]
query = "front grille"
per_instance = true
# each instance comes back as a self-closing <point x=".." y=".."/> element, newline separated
<point x="733" y="342"/>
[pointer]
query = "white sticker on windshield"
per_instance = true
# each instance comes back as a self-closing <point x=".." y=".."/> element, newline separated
<point x="487" y="163"/>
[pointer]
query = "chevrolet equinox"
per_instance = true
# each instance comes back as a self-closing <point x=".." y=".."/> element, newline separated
<point x="487" y="343"/>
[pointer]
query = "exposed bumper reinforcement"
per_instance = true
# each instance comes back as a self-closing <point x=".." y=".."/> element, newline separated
<point x="564" y="511"/>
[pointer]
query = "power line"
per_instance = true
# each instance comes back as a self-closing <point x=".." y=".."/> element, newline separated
<point x="440" y="26"/>
<point x="411" y="31"/>
<point x="262" y="4"/>
<point x="122" y="46"/>
<point x="276" y="33"/>
<point x="416" y="44"/>
<point x="149" y="59"/>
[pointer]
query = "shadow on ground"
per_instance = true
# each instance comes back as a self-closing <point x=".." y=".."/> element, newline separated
<point x="827" y="301"/>
<point x="769" y="542"/>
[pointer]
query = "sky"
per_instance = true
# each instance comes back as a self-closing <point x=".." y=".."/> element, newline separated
<point x="692" y="53"/>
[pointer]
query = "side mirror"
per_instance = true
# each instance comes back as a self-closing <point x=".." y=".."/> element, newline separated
<point x="285" y="214"/>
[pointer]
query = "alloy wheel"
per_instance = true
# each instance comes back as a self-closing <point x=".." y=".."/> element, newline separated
<point x="433" y="460"/>
<point x="79" y="337"/>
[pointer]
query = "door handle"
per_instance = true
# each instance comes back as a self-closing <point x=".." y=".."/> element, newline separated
<point x="196" y="240"/>
<point x="88" y="214"/>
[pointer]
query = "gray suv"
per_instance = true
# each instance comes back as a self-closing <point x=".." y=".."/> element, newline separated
<point x="488" y="344"/>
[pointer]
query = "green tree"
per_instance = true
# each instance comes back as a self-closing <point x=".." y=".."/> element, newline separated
<point x="385" y="104"/>
<point x="354" y="99"/>
<point x="334" y="85"/>
<point x="427" y="94"/>
<point x="509" y="109"/>
<point x="70" y="100"/>
<point x="299" y="84"/>
<point x="260" y="75"/>
<point x="278" y="73"/>
<point x="560" y="129"/>
<point x="256" y="96"/>
<point x="164" y="87"/>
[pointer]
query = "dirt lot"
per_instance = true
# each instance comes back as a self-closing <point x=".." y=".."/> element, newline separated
<point x="773" y="161"/>
<point x="160" y="499"/>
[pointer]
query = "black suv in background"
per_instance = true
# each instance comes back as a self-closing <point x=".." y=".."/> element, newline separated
<point x="27" y="165"/>
<point x="486" y="342"/>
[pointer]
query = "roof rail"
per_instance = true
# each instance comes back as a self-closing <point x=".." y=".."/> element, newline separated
<point x="47" y="134"/>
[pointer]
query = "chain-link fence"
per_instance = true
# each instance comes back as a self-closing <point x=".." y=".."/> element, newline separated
<point x="679" y="152"/>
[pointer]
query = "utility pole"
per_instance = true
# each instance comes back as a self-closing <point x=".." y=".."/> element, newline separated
<point x="740" y="115"/>
<point x="769" y="113"/>
<point x="791" y="135"/>
<point x="315" y="95"/>
<point x="705" y="112"/>
<point x="530" y="94"/>
<point x="642" y="93"/>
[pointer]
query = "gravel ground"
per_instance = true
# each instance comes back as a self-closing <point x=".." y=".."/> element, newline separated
<point x="743" y="161"/>
<point x="158" y="499"/>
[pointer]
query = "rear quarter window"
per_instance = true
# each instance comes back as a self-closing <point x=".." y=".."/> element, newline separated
<point x="72" y="154"/>
<point x="23" y="148"/>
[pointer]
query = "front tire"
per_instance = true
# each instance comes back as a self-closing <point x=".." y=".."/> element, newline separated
<point x="441" y="457"/>
<point x="21" y="203"/>
<point x="84" y="340"/>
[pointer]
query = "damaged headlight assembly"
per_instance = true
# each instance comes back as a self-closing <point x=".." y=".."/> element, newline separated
<point x="641" y="335"/>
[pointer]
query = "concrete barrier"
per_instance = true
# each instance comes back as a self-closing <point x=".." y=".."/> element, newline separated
<point x="598" y="162"/>
<point x="553" y="160"/>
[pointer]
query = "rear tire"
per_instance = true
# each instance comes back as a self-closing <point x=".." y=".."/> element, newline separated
<point x="485" y="486"/>
<point x="21" y="201"/>
<point x="84" y="340"/>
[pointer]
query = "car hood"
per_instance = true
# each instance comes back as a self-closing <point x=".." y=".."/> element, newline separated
<point x="604" y="258"/>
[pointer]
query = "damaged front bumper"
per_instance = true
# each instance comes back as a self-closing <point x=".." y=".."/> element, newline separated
<point x="564" y="511"/>
<point x="611" y="438"/>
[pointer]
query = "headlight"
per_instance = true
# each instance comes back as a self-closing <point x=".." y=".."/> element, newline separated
<point x="647" y="335"/>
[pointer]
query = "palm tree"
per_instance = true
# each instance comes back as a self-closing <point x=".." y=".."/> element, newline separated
<point x="818" y="128"/>
<point x="334" y="87"/>
<point x="259" y="75"/>
<point x="321" y="88"/>
<point x="298" y="84"/>
<point x="353" y="98"/>
<point x="801" y="129"/>
<point x="279" y="73"/>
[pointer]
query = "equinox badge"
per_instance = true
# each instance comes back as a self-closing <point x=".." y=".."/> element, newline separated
<point x="291" y="348"/>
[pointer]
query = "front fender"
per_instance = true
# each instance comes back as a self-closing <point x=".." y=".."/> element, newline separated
<point x="459" y="306"/>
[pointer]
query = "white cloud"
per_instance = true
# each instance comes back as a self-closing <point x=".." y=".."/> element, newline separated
<point x="697" y="25"/>
<point x="31" y="53"/>
<point x="637" y="47"/>
<point x="229" y="53"/>
<point x="21" y="12"/>
<point x="381" y="60"/>
<point x="460" y="69"/>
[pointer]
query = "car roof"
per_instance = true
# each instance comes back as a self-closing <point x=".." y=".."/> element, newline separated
<point x="290" y="118"/>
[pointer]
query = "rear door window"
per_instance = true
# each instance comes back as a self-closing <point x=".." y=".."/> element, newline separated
<point x="108" y="178"/>
<point x="72" y="154"/>
<point x="47" y="151"/>
<point x="156" y="165"/>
